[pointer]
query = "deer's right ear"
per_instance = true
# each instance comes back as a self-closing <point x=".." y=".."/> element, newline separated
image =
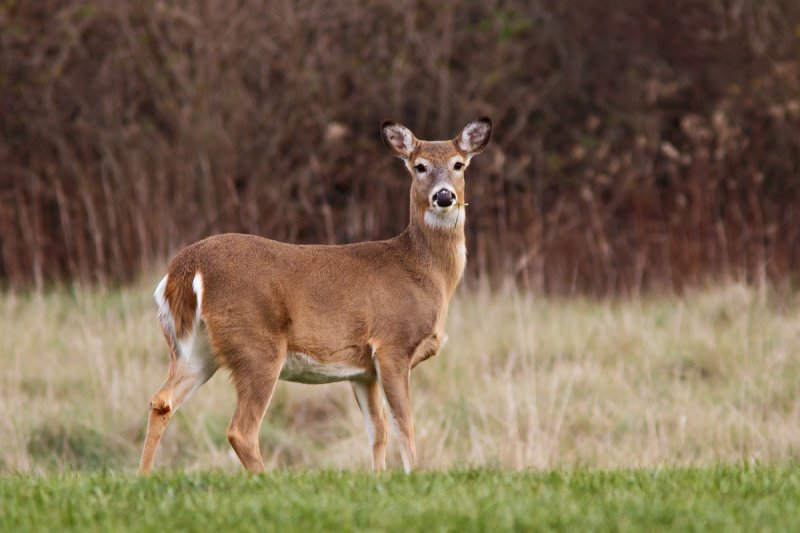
<point x="398" y="139"/>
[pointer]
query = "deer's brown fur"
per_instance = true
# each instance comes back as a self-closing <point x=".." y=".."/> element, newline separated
<point x="370" y="311"/>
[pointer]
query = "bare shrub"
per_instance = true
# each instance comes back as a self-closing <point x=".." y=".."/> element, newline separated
<point x="637" y="144"/>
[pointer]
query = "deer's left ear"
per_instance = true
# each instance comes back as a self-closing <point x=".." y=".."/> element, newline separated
<point x="475" y="136"/>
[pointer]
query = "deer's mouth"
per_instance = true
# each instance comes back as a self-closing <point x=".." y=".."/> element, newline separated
<point x="446" y="217"/>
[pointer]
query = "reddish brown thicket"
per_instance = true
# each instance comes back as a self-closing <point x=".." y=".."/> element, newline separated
<point x="637" y="144"/>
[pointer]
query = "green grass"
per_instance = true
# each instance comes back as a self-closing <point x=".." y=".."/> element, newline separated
<point x="721" y="498"/>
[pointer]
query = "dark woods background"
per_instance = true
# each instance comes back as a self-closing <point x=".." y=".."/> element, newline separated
<point x="637" y="144"/>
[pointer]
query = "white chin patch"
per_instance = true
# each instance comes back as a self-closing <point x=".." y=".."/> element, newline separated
<point x="446" y="219"/>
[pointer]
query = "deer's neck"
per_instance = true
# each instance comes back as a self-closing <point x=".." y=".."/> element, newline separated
<point x="439" y="245"/>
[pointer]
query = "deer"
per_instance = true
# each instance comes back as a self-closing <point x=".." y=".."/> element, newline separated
<point x="367" y="312"/>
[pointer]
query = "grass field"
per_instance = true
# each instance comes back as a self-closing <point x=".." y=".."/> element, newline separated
<point x="576" y="414"/>
<point x="715" y="499"/>
<point x="712" y="376"/>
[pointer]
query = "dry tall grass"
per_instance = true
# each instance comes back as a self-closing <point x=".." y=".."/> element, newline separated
<point x="523" y="382"/>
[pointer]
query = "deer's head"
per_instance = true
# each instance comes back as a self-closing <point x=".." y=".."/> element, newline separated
<point x="437" y="168"/>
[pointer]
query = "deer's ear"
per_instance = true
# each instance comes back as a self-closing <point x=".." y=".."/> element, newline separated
<point x="398" y="139"/>
<point x="475" y="136"/>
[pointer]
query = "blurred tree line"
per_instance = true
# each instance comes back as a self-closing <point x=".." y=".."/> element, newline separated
<point x="637" y="144"/>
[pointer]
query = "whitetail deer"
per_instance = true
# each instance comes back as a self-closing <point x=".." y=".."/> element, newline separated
<point x="366" y="312"/>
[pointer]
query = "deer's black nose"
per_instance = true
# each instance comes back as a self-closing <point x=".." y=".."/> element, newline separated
<point x="444" y="198"/>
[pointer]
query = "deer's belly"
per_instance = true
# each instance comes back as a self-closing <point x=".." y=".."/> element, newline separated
<point x="302" y="368"/>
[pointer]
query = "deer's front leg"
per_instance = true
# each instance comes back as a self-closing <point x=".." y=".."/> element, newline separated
<point x="368" y="397"/>
<point x="393" y="376"/>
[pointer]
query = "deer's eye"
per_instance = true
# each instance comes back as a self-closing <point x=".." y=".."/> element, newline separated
<point x="458" y="166"/>
<point x="421" y="168"/>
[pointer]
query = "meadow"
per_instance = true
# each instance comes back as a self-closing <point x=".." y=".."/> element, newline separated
<point x="711" y="376"/>
<point x="657" y="412"/>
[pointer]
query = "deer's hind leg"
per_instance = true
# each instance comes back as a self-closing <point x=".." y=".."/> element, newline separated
<point x="255" y="370"/>
<point x="191" y="365"/>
